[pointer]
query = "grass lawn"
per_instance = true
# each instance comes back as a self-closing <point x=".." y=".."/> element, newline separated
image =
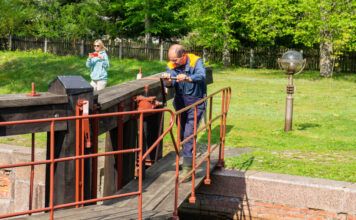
<point x="19" y="69"/>
<point x="322" y="143"/>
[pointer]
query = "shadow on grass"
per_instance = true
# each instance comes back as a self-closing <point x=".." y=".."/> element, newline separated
<point x="305" y="126"/>
<point x="351" y="77"/>
<point x="244" y="166"/>
<point x="215" y="134"/>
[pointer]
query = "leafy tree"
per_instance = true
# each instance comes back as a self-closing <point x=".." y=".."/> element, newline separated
<point x="269" y="20"/>
<point x="46" y="23"/>
<point x="169" y="20"/>
<point x="158" y="18"/>
<point x="16" y="17"/>
<point x="331" y="24"/>
<point x="326" y="23"/>
<point x="82" y="20"/>
<point x="213" y="21"/>
<point x="69" y="18"/>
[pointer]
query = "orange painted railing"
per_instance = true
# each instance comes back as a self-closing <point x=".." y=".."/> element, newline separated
<point x="82" y="126"/>
<point x="226" y="97"/>
<point x="82" y="136"/>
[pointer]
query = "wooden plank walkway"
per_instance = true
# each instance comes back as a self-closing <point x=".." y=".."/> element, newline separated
<point x="158" y="194"/>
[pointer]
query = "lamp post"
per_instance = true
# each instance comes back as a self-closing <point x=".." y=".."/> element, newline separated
<point x="291" y="63"/>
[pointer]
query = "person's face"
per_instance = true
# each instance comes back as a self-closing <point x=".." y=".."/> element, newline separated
<point x="97" y="47"/>
<point x="178" y="61"/>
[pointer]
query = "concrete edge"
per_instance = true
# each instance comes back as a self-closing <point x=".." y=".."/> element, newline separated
<point x="296" y="191"/>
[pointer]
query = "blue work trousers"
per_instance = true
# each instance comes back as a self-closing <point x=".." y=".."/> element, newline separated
<point x="187" y="123"/>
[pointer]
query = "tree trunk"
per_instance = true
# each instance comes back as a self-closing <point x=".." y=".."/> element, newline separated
<point x="326" y="48"/>
<point x="226" y="59"/>
<point x="10" y="42"/>
<point x="120" y="49"/>
<point x="251" y="58"/>
<point x="45" y="47"/>
<point x="205" y="55"/>
<point x="226" y="56"/>
<point x="74" y="48"/>
<point x="147" y="26"/>
<point x="161" y="51"/>
<point x="326" y="63"/>
<point x="82" y="47"/>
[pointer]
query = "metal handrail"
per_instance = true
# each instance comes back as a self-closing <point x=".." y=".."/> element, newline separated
<point x="226" y="97"/>
<point x="52" y="161"/>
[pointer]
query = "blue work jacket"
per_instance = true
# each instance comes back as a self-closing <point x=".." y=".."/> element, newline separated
<point x="194" y="68"/>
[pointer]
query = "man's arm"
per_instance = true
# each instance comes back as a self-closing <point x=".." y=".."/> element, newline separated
<point x="199" y="73"/>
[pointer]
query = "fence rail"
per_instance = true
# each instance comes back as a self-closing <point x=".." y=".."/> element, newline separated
<point x="80" y="157"/>
<point x="244" y="57"/>
<point x="83" y="138"/>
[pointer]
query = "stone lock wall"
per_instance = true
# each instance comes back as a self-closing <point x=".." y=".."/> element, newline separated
<point x="15" y="182"/>
<point x="259" y="195"/>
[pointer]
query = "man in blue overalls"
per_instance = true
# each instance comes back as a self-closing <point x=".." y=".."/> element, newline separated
<point x="190" y="87"/>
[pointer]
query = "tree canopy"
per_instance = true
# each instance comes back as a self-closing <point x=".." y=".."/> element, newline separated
<point x="224" y="25"/>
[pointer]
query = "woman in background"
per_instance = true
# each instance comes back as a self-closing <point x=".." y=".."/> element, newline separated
<point x="98" y="61"/>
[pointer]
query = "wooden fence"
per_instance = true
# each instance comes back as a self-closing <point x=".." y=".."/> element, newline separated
<point x="126" y="49"/>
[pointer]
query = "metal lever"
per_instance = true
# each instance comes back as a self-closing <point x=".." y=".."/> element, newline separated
<point x="86" y="128"/>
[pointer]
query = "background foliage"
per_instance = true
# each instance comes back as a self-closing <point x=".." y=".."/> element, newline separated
<point x="224" y="25"/>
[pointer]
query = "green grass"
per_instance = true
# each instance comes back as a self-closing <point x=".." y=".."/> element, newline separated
<point x="19" y="69"/>
<point x="322" y="143"/>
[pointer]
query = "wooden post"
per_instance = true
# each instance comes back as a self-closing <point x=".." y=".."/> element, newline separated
<point x="251" y="58"/>
<point x="82" y="48"/>
<point x="205" y="55"/>
<point x="120" y="49"/>
<point x="64" y="176"/>
<point x="161" y="52"/>
<point x="45" y="45"/>
<point x="110" y="169"/>
<point x="10" y="42"/>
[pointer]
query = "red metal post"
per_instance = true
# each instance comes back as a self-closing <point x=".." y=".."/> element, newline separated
<point x="85" y="136"/>
<point x="120" y="145"/>
<point x="175" y="212"/>
<point x="33" y="92"/>
<point x="77" y="153"/>
<point x="221" y="162"/>
<point x="94" y="181"/>
<point x="192" y="198"/>
<point x="32" y="171"/>
<point x="140" y="167"/>
<point x="207" y="179"/>
<point x="227" y="100"/>
<point x="51" y="170"/>
<point x="82" y="161"/>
